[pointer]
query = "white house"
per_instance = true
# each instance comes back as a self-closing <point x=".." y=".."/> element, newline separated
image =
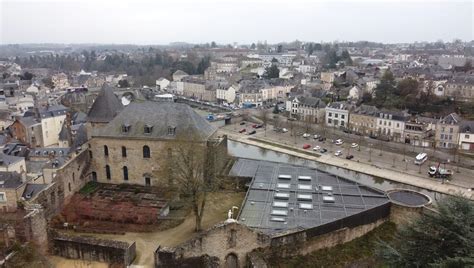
<point x="306" y="108"/>
<point x="391" y="124"/>
<point x="355" y="93"/>
<point x="52" y="119"/>
<point x="337" y="114"/>
<point x="226" y="93"/>
<point x="162" y="83"/>
<point x="466" y="136"/>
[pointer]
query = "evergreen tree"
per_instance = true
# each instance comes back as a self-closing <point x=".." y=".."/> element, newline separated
<point x="442" y="238"/>
<point x="272" y="72"/>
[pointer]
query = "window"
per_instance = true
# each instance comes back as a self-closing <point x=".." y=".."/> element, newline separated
<point x="107" y="172"/>
<point x="94" y="176"/>
<point x="146" y="151"/>
<point x="147" y="181"/>
<point x="90" y="154"/>
<point x="3" y="197"/>
<point x="451" y="130"/>
<point x="389" y="124"/>
<point x="330" y="114"/>
<point x="171" y="131"/>
<point x="125" y="173"/>
<point x="69" y="186"/>
<point x="398" y="124"/>
<point x="466" y="136"/>
<point x="147" y="129"/>
<point x="73" y="176"/>
<point x="336" y="115"/>
<point x="106" y="150"/>
<point x="441" y="136"/>
<point x="329" y="120"/>
<point x="125" y="128"/>
<point x="124" y="151"/>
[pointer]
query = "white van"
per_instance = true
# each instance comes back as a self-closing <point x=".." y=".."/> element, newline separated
<point x="421" y="158"/>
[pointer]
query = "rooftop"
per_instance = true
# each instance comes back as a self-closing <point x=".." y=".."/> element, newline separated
<point x="283" y="196"/>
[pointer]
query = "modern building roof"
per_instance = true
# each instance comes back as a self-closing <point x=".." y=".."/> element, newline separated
<point x="283" y="197"/>
<point x="162" y="120"/>
<point x="105" y="107"/>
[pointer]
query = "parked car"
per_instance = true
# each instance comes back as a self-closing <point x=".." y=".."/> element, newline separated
<point x="242" y="123"/>
<point x="323" y="151"/>
<point x="259" y="126"/>
<point x="321" y="139"/>
<point x="354" y="145"/>
<point x="338" y="153"/>
<point x="284" y="130"/>
<point x="306" y="135"/>
<point x="349" y="157"/>
<point x="306" y="146"/>
<point x="317" y="148"/>
<point x="254" y="125"/>
<point x="252" y="132"/>
<point x="339" y="142"/>
<point x="291" y="119"/>
<point x="242" y="130"/>
<point x="316" y="136"/>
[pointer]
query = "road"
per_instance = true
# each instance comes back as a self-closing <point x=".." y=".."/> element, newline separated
<point x="369" y="154"/>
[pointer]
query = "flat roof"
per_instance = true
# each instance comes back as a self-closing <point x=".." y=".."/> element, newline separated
<point x="322" y="199"/>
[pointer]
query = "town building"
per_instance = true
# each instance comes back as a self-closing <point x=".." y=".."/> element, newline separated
<point x="363" y="120"/>
<point x="391" y="125"/>
<point x="447" y="131"/>
<point x="466" y="136"/>
<point x="308" y="109"/>
<point x="337" y="114"/>
<point x="226" y="93"/>
<point x="130" y="148"/>
<point x="179" y="75"/>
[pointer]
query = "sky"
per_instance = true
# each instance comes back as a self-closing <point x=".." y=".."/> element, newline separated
<point x="227" y="21"/>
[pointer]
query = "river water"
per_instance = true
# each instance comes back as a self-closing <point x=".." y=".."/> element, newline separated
<point x="242" y="150"/>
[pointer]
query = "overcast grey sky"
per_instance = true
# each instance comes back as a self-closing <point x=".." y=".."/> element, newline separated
<point x="226" y="21"/>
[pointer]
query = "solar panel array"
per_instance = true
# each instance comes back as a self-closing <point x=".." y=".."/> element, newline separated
<point x="283" y="196"/>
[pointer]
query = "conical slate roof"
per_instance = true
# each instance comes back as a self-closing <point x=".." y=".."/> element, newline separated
<point x="106" y="106"/>
<point x="64" y="133"/>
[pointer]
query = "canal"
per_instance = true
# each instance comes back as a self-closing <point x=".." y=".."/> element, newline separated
<point x="242" y="150"/>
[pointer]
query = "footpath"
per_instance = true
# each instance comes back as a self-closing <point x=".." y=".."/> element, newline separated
<point x="388" y="174"/>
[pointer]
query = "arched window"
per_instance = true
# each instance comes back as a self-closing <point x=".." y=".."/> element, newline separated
<point x="106" y="150"/>
<point x="107" y="172"/>
<point x="94" y="176"/>
<point x="124" y="151"/>
<point x="73" y="176"/>
<point x="69" y="186"/>
<point x="125" y="173"/>
<point x="146" y="151"/>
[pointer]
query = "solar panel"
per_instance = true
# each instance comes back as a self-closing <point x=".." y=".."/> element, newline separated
<point x="284" y="177"/>
<point x="304" y="178"/>
<point x="304" y="197"/>
<point x="305" y="206"/>
<point x="279" y="212"/>
<point x="280" y="204"/>
<point x="283" y="185"/>
<point x="282" y="195"/>
<point x="304" y="186"/>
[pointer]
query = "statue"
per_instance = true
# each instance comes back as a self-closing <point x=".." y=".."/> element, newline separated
<point x="229" y="214"/>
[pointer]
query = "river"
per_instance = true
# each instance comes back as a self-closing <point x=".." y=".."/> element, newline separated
<point x="242" y="150"/>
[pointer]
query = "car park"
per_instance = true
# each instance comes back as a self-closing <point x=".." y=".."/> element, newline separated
<point x="317" y="148"/>
<point x="349" y="157"/>
<point x="338" y="153"/>
<point x="354" y="145"/>
<point x="242" y="130"/>
<point x="306" y="146"/>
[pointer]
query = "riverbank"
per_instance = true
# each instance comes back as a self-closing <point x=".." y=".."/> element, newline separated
<point x="372" y="170"/>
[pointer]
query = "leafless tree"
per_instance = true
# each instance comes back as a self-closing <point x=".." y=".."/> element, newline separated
<point x="264" y="115"/>
<point x="190" y="166"/>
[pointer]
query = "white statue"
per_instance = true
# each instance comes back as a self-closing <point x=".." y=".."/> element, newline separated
<point x="229" y="214"/>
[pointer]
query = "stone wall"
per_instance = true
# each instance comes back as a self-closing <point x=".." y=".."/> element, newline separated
<point x="35" y="228"/>
<point x="402" y="215"/>
<point x="115" y="253"/>
<point x="228" y="242"/>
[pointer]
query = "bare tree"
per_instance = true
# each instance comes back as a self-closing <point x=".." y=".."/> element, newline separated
<point x="190" y="167"/>
<point x="265" y="117"/>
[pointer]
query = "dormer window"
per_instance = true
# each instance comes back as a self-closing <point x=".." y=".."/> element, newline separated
<point x="125" y="128"/>
<point x="148" y="129"/>
<point x="171" y="131"/>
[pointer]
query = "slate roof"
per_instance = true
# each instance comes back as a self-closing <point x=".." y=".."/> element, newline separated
<point x="81" y="136"/>
<point x="6" y="159"/>
<point x="467" y="127"/>
<point x="311" y="102"/>
<point x="32" y="189"/>
<point x="366" y="110"/>
<point x="105" y="107"/>
<point x="451" y="119"/>
<point x="10" y="180"/>
<point x="64" y="133"/>
<point x="160" y="116"/>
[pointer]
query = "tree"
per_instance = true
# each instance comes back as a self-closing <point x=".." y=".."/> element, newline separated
<point x="279" y="48"/>
<point x="123" y="83"/>
<point x="26" y="76"/>
<point x="384" y="89"/>
<point x="203" y="64"/>
<point x="310" y="49"/>
<point x="190" y="167"/>
<point x="272" y="72"/>
<point x="48" y="82"/>
<point x="442" y="238"/>
<point x="213" y="44"/>
<point x="265" y="117"/>
<point x="346" y="57"/>
<point x="276" y="110"/>
<point x="253" y="46"/>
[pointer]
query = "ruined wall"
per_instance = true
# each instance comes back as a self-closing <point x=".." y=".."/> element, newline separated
<point x="88" y="248"/>
<point x="228" y="242"/>
<point x="402" y="215"/>
<point x="68" y="180"/>
<point x="35" y="228"/>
